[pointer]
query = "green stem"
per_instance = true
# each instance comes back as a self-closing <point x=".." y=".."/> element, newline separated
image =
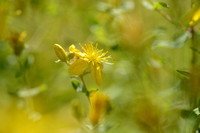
<point x="194" y="79"/>
<point x="167" y="17"/>
<point x="193" y="62"/>
<point x="28" y="99"/>
<point x="84" y="86"/>
<point x="194" y="84"/>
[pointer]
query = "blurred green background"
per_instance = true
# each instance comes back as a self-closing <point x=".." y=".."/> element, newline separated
<point x="147" y="93"/>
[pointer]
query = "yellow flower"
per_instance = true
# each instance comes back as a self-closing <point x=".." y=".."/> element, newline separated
<point x="89" y="56"/>
<point x="99" y="105"/>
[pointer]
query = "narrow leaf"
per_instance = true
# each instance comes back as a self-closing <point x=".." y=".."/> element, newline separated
<point x="77" y="85"/>
<point x="19" y="74"/>
<point x="28" y="61"/>
<point x="184" y="73"/>
<point x="188" y="114"/>
<point x="177" y="42"/>
<point x="195" y="50"/>
<point x="160" y="5"/>
<point x="164" y="4"/>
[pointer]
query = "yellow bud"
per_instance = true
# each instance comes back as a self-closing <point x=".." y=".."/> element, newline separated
<point x="60" y="52"/>
<point x="99" y="104"/>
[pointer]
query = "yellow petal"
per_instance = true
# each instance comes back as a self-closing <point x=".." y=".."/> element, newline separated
<point x="78" y="53"/>
<point x="94" y="116"/>
<point x="96" y="72"/>
<point x="73" y="49"/>
<point x="60" y="52"/>
<point x="78" y="67"/>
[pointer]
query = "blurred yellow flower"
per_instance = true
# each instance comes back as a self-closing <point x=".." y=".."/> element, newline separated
<point x="16" y="40"/>
<point x="195" y="17"/>
<point x="90" y="56"/>
<point x="99" y="105"/>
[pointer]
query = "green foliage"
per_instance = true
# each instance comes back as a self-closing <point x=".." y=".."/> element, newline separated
<point x="177" y="42"/>
<point x="78" y="86"/>
<point x="188" y="114"/>
<point x="160" y="5"/>
<point x="24" y="66"/>
<point x="151" y="5"/>
<point x="184" y="73"/>
<point x="195" y="50"/>
<point x="151" y="90"/>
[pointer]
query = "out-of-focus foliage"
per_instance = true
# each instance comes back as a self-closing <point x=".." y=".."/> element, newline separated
<point x="148" y="83"/>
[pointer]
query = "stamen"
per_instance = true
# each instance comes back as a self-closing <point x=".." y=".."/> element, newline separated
<point x="82" y="48"/>
<point x="103" y="54"/>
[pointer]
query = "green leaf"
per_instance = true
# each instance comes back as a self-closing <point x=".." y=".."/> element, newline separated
<point x="160" y="5"/>
<point x="195" y="50"/>
<point x="177" y="42"/>
<point x="184" y="73"/>
<point x="164" y="4"/>
<point x="12" y="91"/>
<point x="19" y="74"/>
<point x="26" y="64"/>
<point x="77" y="85"/>
<point x="28" y="61"/>
<point x="188" y="114"/>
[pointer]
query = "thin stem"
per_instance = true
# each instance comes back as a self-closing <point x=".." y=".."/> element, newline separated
<point x="28" y="98"/>
<point x="194" y="79"/>
<point x="194" y="71"/>
<point x="193" y="62"/>
<point x="167" y="17"/>
<point x="84" y="86"/>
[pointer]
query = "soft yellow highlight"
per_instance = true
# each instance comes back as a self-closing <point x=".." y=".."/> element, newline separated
<point x="99" y="104"/>
<point x="195" y="17"/>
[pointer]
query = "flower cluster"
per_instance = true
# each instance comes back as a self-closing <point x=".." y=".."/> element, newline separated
<point x="80" y="60"/>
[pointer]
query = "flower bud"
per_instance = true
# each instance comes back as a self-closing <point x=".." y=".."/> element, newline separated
<point x="99" y="105"/>
<point x="60" y="52"/>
